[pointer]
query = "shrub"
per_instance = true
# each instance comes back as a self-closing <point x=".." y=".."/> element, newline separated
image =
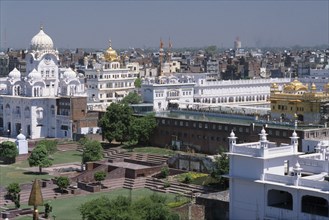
<point x="164" y="172"/>
<point x="188" y="178"/>
<point x="166" y="184"/>
<point x="62" y="182"/>
<point x="12" y="189"/>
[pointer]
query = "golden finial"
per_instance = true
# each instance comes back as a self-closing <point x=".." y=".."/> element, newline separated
<point x="313" y="87"/>
<point x="110" y="42"/>
<point x="161" y="43"/>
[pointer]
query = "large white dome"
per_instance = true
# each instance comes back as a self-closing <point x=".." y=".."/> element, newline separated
<point x="42" y="41"/>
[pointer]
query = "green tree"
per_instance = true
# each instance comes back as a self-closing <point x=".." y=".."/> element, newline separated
<point x="138" y="83"/>
<point x="13" y="190"/>
<point x="115" y="122"/>
<point x="62" y="182"/>
<point x="8" y="151"/>
<point x="154" y="207"/>
<point x="121" y="208"/>
<point x="92" y="151"/>
<point x="103" y="209"/>
<point x="221" y="167"/>
<point x="132" y="98"/>
<point x="40" y="157"/>
<point x="141" y="128"/>
<point x="99" y="176"/>
<point x="51" y="145"/>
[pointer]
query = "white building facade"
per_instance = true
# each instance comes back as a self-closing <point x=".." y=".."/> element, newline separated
<point x="168" y="90"/>
<point x="270" y="181"/>
<point x="206" y="92"/>
<point x="29" y="103"/>
<point x="108" y="82"/>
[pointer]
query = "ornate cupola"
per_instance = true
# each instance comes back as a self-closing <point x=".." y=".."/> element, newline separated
<point x="110" y="55"/>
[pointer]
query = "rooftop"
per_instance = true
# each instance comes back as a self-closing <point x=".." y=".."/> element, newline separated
<point x="207" y="116"/>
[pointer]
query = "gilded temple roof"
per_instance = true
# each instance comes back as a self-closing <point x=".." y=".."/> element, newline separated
<point x="295" y="86"/>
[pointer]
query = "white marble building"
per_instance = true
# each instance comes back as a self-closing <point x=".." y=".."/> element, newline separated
<point x="108" y="82"/>
<point x="168" y="90"/>
<point x="206" y="92"/>
<point x="30" y="103"/>
<point x="270" y="181"/>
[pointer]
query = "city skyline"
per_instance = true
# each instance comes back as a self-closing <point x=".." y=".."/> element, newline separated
<point x="90" y="24"/>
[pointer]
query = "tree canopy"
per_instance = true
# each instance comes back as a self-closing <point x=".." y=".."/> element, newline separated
<point x="40" y="157"/>
<point x="51" y="145"/>
<point x="221" y="167"/>
<point x="118" y="123"/>
<point x="100" y="176"/>
<point x="62" y="182"/>
<point x="92" y="151"/>
<point x="138" y="83"/>
<point x="122" y="208"/>
<point x="115" y="122"/>
<point x="132" y="98"/>
<point x="8" y="151"/>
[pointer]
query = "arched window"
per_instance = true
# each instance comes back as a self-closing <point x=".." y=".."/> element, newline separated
<point x="279" y="199"/>
<point x="315" y="205"/>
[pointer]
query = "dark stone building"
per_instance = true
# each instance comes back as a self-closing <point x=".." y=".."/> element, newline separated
<point x="207" y="132"/>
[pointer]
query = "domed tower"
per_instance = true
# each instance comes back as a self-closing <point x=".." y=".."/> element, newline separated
<point x="43" y="58"/>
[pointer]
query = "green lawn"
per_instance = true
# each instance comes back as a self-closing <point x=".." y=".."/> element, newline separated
<point x="16" y="173"/>
<point x="58" y="158"/>
<point x="10" y="174"/>
<point x="68" y="208"/>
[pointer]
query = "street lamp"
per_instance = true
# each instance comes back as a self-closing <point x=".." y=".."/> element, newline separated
<point x="8" y="133"/>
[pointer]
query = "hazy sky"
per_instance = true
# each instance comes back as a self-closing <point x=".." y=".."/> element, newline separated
<point x="89" y="24"/>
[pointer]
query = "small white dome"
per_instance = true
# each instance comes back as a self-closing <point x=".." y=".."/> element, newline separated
<point x="69" y="73"/>
<point x="263" y="131"/>
<point x="21" y="137"/>
<point x="232" y="134"/>
<point x="297" y="165"/>
<point x="34" y="75"/>
<point x="15" y="74"/>
<point x="42" y="41"/>
<point x="294" y="134"/>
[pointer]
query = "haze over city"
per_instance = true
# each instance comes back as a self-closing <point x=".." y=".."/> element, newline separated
<point x="90" y="24"/>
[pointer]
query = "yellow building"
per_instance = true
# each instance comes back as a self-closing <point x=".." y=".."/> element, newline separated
<point x="296" y="101"/>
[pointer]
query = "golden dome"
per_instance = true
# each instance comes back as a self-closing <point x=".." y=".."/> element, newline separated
<point x="313" y="87"/>
<point x="110" y="54"/>
<point x="274" y="86"/>
<point x="295" y="86"/>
